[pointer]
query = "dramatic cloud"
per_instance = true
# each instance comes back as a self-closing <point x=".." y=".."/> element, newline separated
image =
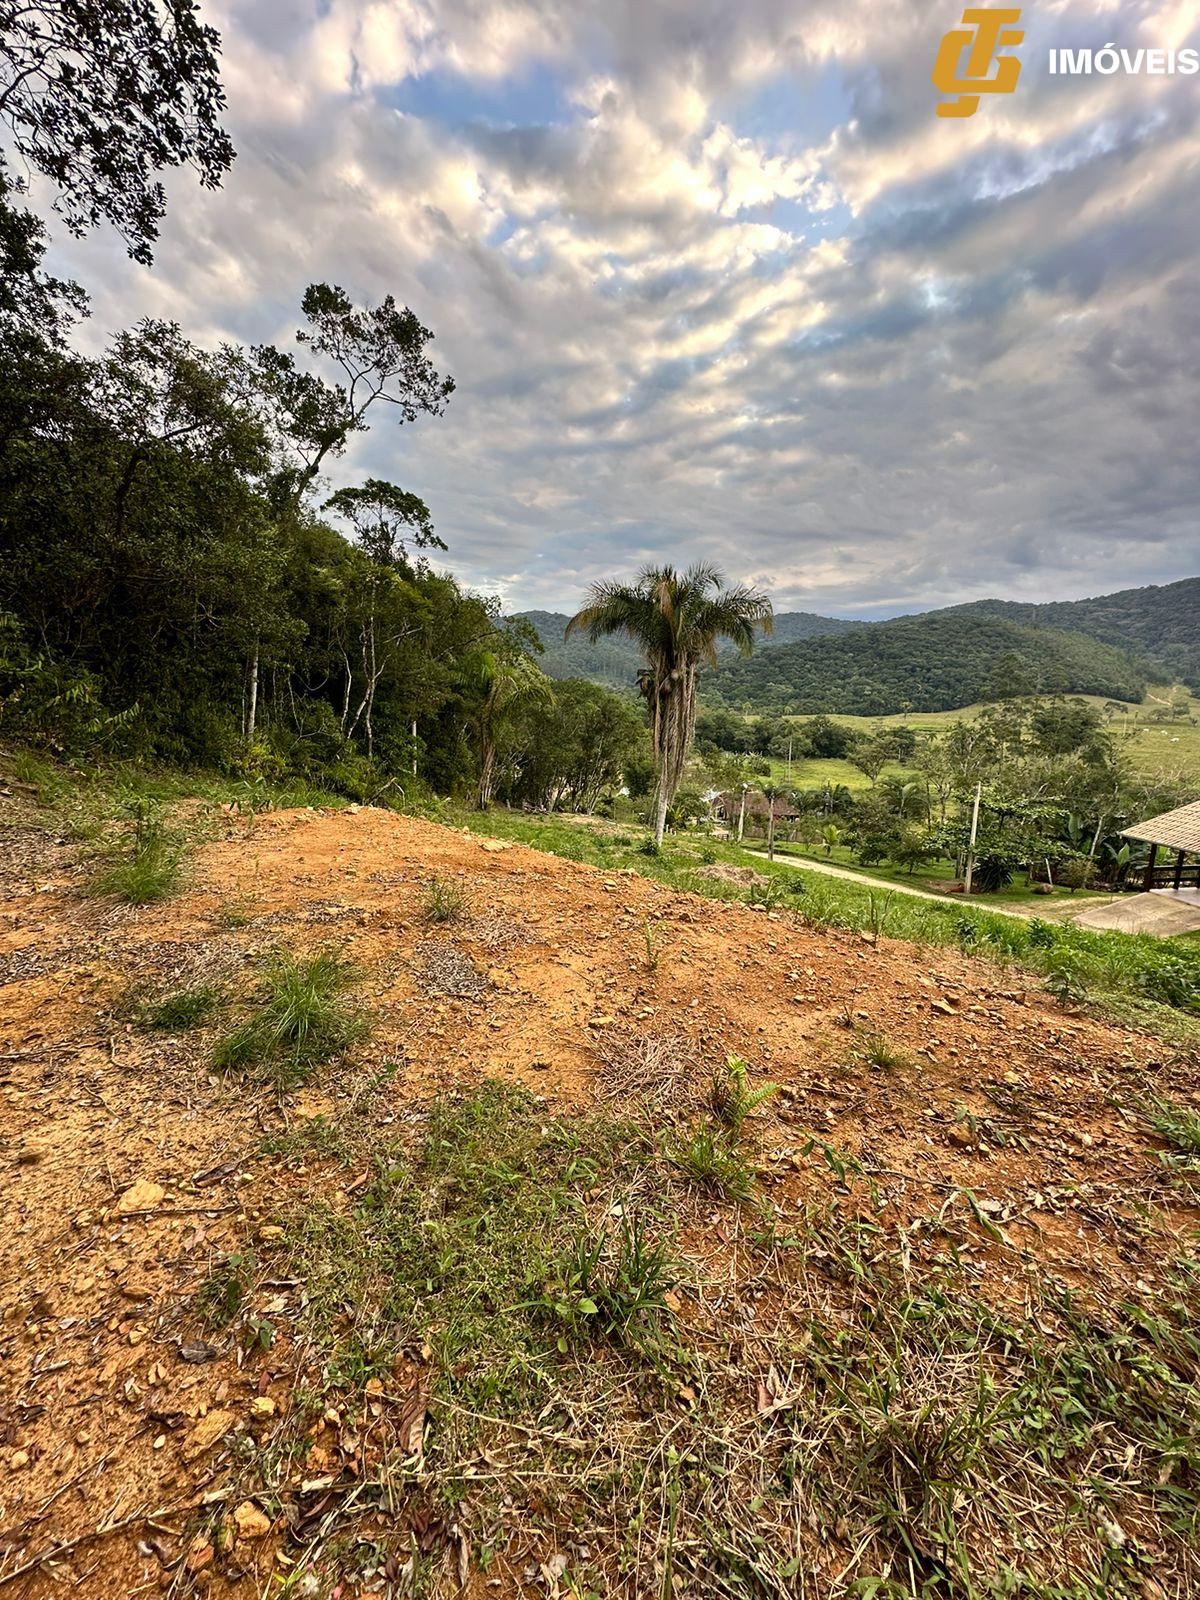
<point x="715" y="281"/>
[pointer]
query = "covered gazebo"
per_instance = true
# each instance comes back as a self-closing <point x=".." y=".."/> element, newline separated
<point x="1177" y="831"/>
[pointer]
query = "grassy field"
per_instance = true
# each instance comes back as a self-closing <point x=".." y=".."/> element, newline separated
<point x="1154" y="748"/>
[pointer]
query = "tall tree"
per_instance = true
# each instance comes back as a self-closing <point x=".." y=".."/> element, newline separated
<point x="102" y="95"/>
<point x="676" y="619"/>
<point x="379" y="354"/>
<point x="385" y="520"/>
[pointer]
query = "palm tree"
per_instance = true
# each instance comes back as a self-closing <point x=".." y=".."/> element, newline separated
<point x="675" y="619"/>
<point x="500" y="688"/>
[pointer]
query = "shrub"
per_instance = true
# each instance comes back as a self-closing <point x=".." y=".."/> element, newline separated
<point x="1065" y="978"/>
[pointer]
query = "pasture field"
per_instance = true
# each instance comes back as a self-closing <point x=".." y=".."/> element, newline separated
<point x="1155" y="748"/>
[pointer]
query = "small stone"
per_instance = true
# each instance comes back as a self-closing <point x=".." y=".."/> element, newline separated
<point x="262" y="1407"/>
<point x="141" y="1195"/>
<point x="250" y="1521"/>
<point x="206" y="1433"/>
<point x="200" y="1557"/>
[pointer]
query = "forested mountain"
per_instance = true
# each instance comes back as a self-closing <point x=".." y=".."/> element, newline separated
<point x="934" y="662"/>
<point x="615" y="661"/>
<point x="1160" y="621"/>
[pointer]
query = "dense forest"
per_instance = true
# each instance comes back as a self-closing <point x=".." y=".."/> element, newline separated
<point x="175" y="585"/>
<point x="1160" y="622"/>
<point x="934" y="662"/>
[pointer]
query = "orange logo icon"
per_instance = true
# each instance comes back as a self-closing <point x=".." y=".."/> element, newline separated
<point x="983" y="33"/>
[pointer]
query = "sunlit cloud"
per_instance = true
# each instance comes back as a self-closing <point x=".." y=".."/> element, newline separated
<point x="715" y="282"/>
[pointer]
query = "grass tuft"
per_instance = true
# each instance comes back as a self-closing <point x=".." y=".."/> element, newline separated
<point x="444" y="901"/>
<point x="1179" y="1126"/>
<point x="878" y="1051"/>
<point x="175" y="1013"/>
<point x="152" y="869"/>
<point x="710" y="1158"/>
<point x="301" y="1017"/>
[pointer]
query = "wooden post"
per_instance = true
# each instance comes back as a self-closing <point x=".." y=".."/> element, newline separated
<point x="1148" y="881"/>
<point x="1179" y="855"/>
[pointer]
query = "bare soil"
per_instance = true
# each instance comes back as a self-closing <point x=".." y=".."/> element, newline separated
<point x="128" y="1164"/>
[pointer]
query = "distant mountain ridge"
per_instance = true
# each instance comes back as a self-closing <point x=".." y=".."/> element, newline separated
<point x="936" y="662"/>
<point x="616" y="662"/>
<point x="1159" y="621"/>
<point x="932" y="660"/>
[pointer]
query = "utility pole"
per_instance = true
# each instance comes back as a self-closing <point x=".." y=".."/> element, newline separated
<point x="974" y="831"/>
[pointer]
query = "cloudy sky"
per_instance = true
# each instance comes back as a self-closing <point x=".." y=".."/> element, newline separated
<point x="714" y="281"/>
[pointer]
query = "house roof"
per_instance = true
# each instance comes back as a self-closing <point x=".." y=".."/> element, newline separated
<point x="1178" y="829"/>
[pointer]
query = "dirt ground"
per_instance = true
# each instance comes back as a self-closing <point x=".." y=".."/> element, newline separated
<point x="127" y="1162"/>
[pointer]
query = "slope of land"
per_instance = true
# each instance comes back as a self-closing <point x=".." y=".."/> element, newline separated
<point x="476" y="1306"/>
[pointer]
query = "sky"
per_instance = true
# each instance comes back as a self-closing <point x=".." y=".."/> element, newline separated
<point x="715" y="283"/>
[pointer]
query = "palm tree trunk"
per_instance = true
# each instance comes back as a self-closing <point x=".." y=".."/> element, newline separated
<point x="487" y="768"/>
<point x="770" y="830"/>
<point x="742" y="816"/>
<point x="662" y="801"/>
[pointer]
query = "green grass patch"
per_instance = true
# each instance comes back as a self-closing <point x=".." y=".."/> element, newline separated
<point x="711" y="1158"/>
<point x="1178" y="1126"/>
<point x="485" y="1239"/>
<point x="185" y="1008"/>
<point x="149" y="867"/>
<point x="300" y="1017"/>
<point x="505" y="1294"/>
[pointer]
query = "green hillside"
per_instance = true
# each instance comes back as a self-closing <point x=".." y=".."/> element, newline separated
<point x="616" y="662"/>
<point x="1160" y="622"/>
<point x="934" y="662"/>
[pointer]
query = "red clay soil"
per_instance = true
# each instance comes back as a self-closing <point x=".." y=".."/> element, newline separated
<point x="128" y="1162"/>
